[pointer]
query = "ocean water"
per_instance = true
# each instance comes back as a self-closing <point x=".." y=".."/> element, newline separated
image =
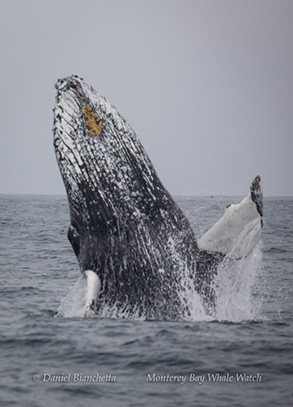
<point x="52" y="356"/>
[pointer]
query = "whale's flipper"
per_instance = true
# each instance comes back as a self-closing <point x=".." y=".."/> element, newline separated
<point x="233" y="237"/>
<point x="237" y="232"/>
<point x="93" y="287"/>
<point x="257" y="195"/>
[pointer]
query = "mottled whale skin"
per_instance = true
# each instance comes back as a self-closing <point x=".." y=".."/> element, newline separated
<point x="129" y="236"/>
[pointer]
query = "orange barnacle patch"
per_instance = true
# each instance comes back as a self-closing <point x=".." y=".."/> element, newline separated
<point x="92" y="121"/>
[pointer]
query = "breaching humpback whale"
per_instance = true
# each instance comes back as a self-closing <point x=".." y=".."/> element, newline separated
<point x="132" y="241"/>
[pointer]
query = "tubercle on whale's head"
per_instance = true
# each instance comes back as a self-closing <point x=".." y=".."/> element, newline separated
<point x="70" y="81"/>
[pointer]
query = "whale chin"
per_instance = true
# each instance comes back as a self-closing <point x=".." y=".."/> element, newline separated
<point x="125" y="228"/>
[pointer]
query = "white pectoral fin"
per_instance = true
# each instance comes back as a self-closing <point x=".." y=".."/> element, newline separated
<point x="93" y="287"/>
<point x="238" y="231"/>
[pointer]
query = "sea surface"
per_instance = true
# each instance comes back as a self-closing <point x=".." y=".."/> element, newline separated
<point x="52" y="356"/>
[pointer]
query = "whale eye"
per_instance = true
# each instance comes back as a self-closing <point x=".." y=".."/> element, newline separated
<point x="73" y="237"/>
<point x="228" y="206"/>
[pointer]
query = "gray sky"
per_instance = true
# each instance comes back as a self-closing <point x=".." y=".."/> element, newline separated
<point x="206" y="85"/>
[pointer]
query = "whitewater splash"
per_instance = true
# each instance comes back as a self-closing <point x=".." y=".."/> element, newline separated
<point x="236" y="300"/>
<point x="236" y="278"/>
<point x="234" y="285"/>
<point x="73" y="305"/>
